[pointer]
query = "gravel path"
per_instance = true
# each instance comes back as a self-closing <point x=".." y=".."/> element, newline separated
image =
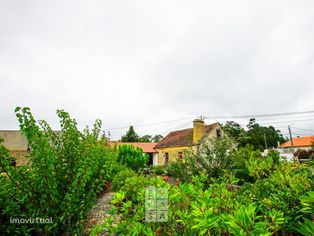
<point x="98" y="213"/>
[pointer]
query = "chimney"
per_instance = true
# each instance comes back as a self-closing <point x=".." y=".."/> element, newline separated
<point x="198" y="130"/>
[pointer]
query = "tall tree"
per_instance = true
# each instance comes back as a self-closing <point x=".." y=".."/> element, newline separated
<point x="157" y="138"/>
<point x="233" y="129"/>
<point x="130" y="136"/>
<point x="257" y="136"/>
<point x="146" y="138"/>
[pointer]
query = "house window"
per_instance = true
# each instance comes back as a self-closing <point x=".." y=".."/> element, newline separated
<point x="180" y="155"/>
<point x="218" y="132"/>
<point x="150" y="159"/>
<point x="166" y="158"/>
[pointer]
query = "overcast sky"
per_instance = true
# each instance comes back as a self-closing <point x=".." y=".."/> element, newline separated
<point x="145" y="62"/>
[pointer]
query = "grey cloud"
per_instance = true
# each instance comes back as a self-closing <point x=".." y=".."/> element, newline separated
<point x="138" y="62"/>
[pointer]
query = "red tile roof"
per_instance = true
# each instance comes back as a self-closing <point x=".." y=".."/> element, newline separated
<point x="181" y="137"/>
<point x="299" y="142"/>
<point x="146" y="147"/>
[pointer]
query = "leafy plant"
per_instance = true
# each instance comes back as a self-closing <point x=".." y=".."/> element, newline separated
<point x="307" y="228"/>
<point x="134" y="158"/>
<point x="245" y="221"/>
<point x="66" y="172"/>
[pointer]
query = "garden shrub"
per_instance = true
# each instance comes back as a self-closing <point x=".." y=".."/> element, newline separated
<point x="279" y="203"/>
<point x="219" y="157"/>
<point x="65" y="173"/>
<point x="195" y="211"/>
<point x="158" y="170"/>
<point x="213" y="159"/>
<point x="181" y="169"/>
<point x="281" y="191"/>
<point x="120" y="178"/>
<point x="133" y="157"/>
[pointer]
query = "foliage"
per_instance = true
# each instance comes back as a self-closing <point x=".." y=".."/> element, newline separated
<point x="157" y="138"/>
<point x="194" y="209"/>
<point x="278" y="201"/>
<point x="255" y="135"/>
<point x="213" y="159"/>
<point x="224" y="190"/>
<point x="219" y="157"/>
<point x="132" y="136"/>
<point x="307" y="201"/>
<point x="66" y="172"/>
<point x="307" y="228"/>
<point x="182" y="169"/>
<point x="245" y="221"/>
<point x="132" y="157"/>
<point x="120" y="178"/>
<point x="259" y="167"/>
<point x="158" y="170"/>
<point x="145" y="139"/>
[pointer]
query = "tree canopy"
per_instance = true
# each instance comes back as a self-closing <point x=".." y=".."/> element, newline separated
<point x="132" y="136"/>
<point x="256" y="135"/>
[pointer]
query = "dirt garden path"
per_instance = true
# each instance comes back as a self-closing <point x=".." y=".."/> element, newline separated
<point x="98" y="213"/>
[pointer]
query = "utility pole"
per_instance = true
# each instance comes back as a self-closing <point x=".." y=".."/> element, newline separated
<point x="291" y="141"/>
<point x="265" y="141"/>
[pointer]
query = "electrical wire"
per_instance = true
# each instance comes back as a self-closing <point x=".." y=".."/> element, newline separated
<point x="258" y="115"/>
<point x="151" y="124"/>
<point x="311" y="130"/>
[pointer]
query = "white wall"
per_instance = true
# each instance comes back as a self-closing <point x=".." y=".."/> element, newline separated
<point x="155" y="159"/>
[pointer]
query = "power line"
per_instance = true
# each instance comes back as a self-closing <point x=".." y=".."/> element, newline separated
<point x="303" y="129"/>
<point x="151" y="124"/>
<point x="258" y="115"/>
<point x="285" y="134"/>
<point x="216" y="117"/>
<point x="270" y="119"/>
<point x="276" y="122"/>
<point x="301" y="134"/>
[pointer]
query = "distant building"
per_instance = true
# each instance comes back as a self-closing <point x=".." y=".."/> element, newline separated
<point x="176" y="143"/>
<point x="299" y="143"/>
<point x="148" y="148"/>
<point x="285" y="154"/>
<point x="16" y="143"/>
<point x="304" y="143"/>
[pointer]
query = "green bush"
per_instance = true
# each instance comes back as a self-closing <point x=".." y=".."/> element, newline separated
<point x="134" y="158"/>
<point x="120" y="178"/>
<point x="213" y="159"/>
<point x="274" y="205"/>
<point x="66" y="172"/>
<point x="158" y="170"/>
<point x="193" y="211"/>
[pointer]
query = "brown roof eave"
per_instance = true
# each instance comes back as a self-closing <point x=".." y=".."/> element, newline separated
<point x="172" y="146"/>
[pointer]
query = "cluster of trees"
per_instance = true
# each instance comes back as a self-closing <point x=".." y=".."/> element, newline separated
<point x="258" y="136"/>
<point x="132" y="136"/>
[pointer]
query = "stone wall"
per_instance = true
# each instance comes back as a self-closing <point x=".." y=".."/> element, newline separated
<point x="20" y="157"/>
<point x="13" y="140"/>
